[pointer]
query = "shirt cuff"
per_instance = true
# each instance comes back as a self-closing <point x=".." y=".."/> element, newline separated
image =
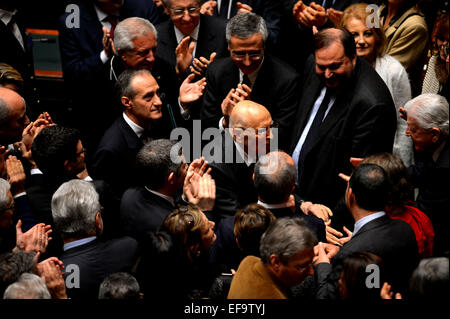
<point x="36" y="171"/>
<point x="184" y="112"/>
<point x="20" y="194"/>
<point x="103" y="57"/>
<point x="88" y="179"/>
<point x="221" y="128"/>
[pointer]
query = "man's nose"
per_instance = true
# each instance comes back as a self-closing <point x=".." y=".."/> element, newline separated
<point x="328" y="73"/>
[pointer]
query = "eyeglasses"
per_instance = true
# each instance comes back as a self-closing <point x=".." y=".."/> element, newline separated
<point x="252" y="55"/>
<point x="179" y="12"/>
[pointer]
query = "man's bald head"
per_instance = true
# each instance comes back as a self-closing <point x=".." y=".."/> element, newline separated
<point x="248" y="114"/>
<point x="13" y="118"/>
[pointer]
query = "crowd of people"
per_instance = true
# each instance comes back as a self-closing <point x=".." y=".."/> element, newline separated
<point x="259" y="149"/>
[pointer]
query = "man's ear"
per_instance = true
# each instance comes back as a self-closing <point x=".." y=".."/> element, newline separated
<point x="275" y="262"/>
<point x="67" y="166"/>
<point x="171" y="178"/>
<point x="126" y="101"/>
<point x="436" y="132"/>
<point x="351" y="197"/>
<point x="98" y="224"/>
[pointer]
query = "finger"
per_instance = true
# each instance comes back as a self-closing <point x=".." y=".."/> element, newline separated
<point x="356" y="161"/>
<point x="317" y="7"/>
<point x="189" y="78"/>
<point x="333" y="231"/>
<point x="195" y="71"/>
<point x="398" y="296"/>
<point x="19" y="228"/>
<point x="183" y="45"/>
<point x="212" y="57"/>
<point x="27" y="129"/>
<point x="344" y="177"/>
<point x="349" y="233"/>
<point x="333" y="240"/>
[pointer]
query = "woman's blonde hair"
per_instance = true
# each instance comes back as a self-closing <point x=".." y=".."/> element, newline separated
<point x="358" y="11"/>
<point x="9" y="75"/>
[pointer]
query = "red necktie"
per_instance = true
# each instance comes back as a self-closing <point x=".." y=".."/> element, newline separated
<point x="113" y="21"/>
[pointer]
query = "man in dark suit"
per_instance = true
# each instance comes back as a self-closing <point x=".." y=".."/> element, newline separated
<point x="235" y="152"/>
<point x="346" y="110"/>
<point x="86" y="51"/>
<point x="270" y="10"/>
<point x="391" y="239"/>
<point x="87" y="260"/>
<point x="114" y="160"/>
<point x="427" y="119"/>
<point x="250" y="74"/>
<point x="161" y="178"/>
<point x="17" y="50"/>
<point x="206" y="35"/>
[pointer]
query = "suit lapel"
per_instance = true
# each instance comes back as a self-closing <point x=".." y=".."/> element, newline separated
<point x="169" y="42"/>
<point x="374" y="224"/>
<point x="132" y="140"/>
<point x="92" y="28"/>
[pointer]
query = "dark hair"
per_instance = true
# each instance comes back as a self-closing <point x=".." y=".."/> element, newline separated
<point x="250" y="223"/>
<point x="276" y="186"/>
<point x="154" y="162"/>
<point x="53" y="146"/>
<point x="120" y="285"/>
<point x="12" y="265"/>
<point x="354" y="275"/>
<point x="369" y="183"/>
<point x="430" y="279"/>
<point x="400" y="187"/>
<point x="123" y="84"/>
<point x="327" y="37"/>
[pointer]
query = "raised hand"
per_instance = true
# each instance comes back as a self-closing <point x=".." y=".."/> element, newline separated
<point x="208" y="7"/>
<point x="35" y="239"/>
<point x="318" y="210"/>
<point x="200" y="65"/>
<point x="191" y="92"/>
<point x="15" y="175"/>
<point x="108" y="44"/>
<point x="184" y="53"/>
<point x="386" y="292"/>
<point x="50" y="270"/>
<point x="243" y="8"/>
<point x="335" y="16"/>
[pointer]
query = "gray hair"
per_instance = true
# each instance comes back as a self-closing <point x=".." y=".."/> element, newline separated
<point x="74" y="207"/>
<point x="129" y="29"/>
<point x="28" y="286"/>
<point x="4" y="188"/>
<point x="244" y="25"/>
<point x="285" y="238"/>
<point x="429" y="110"/>
<point x="430" y="279"/>
<point x="119" y="285"/>
<point x="274" y="177"/>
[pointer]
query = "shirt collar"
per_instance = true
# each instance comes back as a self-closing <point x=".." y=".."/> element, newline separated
<point x="360" y="223"/>
<point x="168" y="198"/>
<point x="274" y="206"/>
<point x="136" y="128"/>
<point x="100" y="14"/>
<point x="180" y="36"/>
<point x="6" y="16"/>
<point x="79" y="242"/>
<point x="252" y="76"/>
<point x="249" y="160"/>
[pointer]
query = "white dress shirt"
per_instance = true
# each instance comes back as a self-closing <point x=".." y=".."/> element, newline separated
<point x="136" y="128"/>
<point x="6" y="17"/>
<point x="360" y="223"/>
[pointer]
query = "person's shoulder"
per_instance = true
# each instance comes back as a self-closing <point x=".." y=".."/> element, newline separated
<point x="280" y="67"/>
<point x="223" y="64"/>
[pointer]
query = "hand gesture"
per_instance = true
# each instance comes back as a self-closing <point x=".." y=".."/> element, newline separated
<point x="242" y="92"/>
<point x="15" y="175"/>
<point x="184" y="53"/>
<point x="320" y="256"/>
<point x="243" y="8"/>
<point x="318" y="210"/>
<point x="191" y="92"/>
<point x="208" y="7"/>
<point x="204" y="194"/>
<point x="386" y="292"/>
<point x="35" y="239"/>
<point x="335" y="237"/>
<point x="335" y="16"/>
<point x="403" y="113"/>
<point x="108" y="44"/>
<point x="314" y="15"/>
<point x="3" y="155"/>
<point x="50" y="270"/>
<point x="199" y="66"/>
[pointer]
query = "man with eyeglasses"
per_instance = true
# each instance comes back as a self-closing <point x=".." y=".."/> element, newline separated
<point x="250" y="74"/>
<point x="189" y="39"/>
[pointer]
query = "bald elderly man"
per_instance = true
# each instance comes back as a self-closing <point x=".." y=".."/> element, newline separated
<point x="13" y="117"/>
<point x="235" y="152"/>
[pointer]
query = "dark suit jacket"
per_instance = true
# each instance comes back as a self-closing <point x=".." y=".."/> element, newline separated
<point x="96" y="260"/>
<point x="142" y="211"/>
<point x="361" y="122"/>
<point x="115" y="158"/>
<point x="234" y="181"/>
<point x="432" y="179"/>
<point x="211" y="38"/>
<point x="270" y="10"/>
<point x="276" y="87"/>
<point x="391" y="239"/>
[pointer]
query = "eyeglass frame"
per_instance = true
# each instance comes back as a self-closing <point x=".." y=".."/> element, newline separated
<point x="251" y="56"/>
<point x="259" y="131"/>
<point x="191" y="11"/>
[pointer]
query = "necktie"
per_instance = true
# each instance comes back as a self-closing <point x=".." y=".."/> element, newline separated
<point x="313" y="132"/>
<point x="113" y="21"/>
<point x="246" y="80"/>
<point x="14" y="27"/>
<point x="224" y="9"/>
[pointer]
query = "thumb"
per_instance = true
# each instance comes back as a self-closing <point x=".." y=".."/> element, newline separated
<point x="19" y="228"/>
<point x="212" y="57"/>
<point x="191" y="47"/>
<point x="105" y="31"/>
